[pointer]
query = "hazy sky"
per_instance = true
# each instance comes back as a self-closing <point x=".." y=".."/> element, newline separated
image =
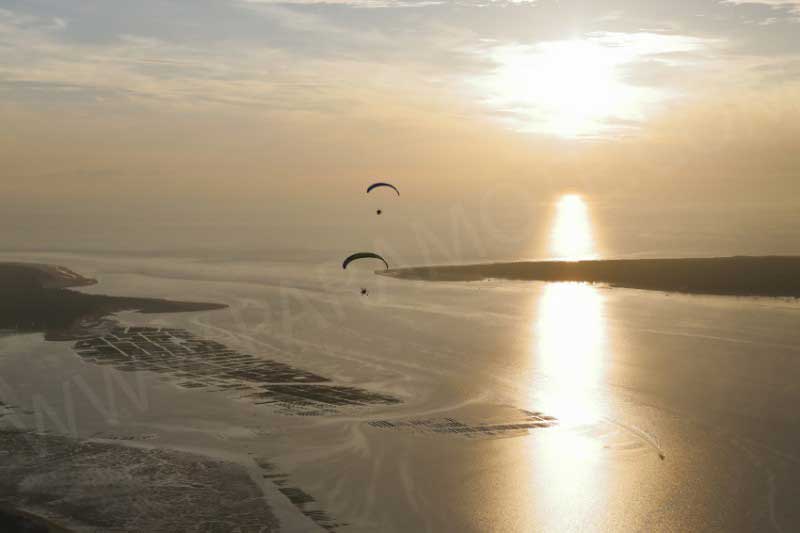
<point x="121" y="106"/>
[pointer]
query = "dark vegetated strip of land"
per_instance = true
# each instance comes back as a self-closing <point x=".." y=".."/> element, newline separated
<point x="55" y="308"/>
<point x="741" y="275"/>
<point x="39" y="276"/>
<point x="19" y="276"/>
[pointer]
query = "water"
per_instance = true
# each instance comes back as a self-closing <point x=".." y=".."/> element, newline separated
<point x="669" y="412"/>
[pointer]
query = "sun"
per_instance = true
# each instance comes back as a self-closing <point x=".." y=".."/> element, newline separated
<point x="569" y="88"/>
<point x="577" y="87"/>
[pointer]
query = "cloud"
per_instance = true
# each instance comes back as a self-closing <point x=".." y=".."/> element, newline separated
<point x="778" y="3"/>
<point x="779" y="72"/>
<point x="603" y="83"/>
<point x="385" y="66"/>
<point x="375" y="4"/>
<point x="299" y="62"/>
<point x="138" y="68"/>
<point x="789" y="5"/>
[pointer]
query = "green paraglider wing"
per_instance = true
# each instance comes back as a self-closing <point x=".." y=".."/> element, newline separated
<point x="363" y="255"/>
<point x="382" y="184"/>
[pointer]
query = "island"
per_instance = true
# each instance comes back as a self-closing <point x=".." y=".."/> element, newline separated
<point x="775" y="276"/>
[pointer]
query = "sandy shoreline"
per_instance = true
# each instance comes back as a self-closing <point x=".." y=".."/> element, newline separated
<point x="740" y="275"/>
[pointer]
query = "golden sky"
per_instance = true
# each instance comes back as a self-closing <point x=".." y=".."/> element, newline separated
<point x="116" y="103"/>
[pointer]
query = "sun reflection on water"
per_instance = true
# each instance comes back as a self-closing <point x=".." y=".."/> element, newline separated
<point x="569" y="350"/>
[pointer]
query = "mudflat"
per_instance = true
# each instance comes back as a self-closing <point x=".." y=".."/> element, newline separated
<point x="91" y="485"/>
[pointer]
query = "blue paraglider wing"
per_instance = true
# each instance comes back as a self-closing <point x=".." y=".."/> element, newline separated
<point x="382" y="184"/>
<point x="363" y="255"/>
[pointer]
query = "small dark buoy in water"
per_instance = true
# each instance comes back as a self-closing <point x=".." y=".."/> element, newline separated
<point x="379" y="211"/>
<point x="364" y="292"/>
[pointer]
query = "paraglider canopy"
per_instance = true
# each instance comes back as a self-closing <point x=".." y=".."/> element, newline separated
<point x="363" y="255"/>
<point x="382" y="184"/>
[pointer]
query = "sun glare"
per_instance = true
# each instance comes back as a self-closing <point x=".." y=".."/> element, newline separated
<point x="571" y="237"/>
<point x="576" y="88"/>
<point x="571" y="85"/>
